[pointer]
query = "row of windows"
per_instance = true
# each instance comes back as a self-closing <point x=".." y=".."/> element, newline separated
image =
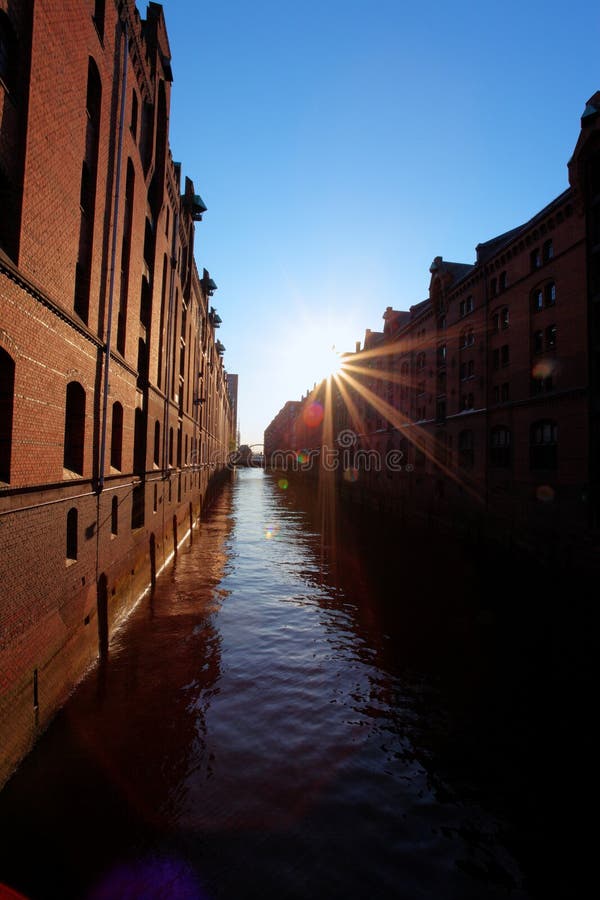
<point x="543" y="446"/>
<point x="137" y="514"/>
<point x="74" y="429"/>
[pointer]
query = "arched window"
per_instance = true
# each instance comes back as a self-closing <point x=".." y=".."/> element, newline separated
<point x="116" y="438"/>
<point x="114" y="515"/>
<point x="87" y="192"/>
<point x="466" y="452"/>
<point x="74" y="428"/>
<point x="543" y="297"/>
<point x="543" y="444"/>
<point x="72" y="534"/>
<point x="125" y="257"/>
<point x="7" y="393"/>
<point x="500" y="452"/>
<point x="467" y="338"/>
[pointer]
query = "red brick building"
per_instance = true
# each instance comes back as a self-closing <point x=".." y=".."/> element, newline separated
<point x="115" y="415"/>
<point x="486" y="392"/>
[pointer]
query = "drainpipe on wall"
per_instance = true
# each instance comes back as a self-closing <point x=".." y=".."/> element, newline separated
<point x="111" y="287"/>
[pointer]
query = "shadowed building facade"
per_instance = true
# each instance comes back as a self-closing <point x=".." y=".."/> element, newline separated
<point x="487" y="390"/>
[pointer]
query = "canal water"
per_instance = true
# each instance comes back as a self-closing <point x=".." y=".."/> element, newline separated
<point x="305" y="707"/>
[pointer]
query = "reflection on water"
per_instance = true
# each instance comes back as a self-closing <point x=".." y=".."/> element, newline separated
<point x="276" y="720"/>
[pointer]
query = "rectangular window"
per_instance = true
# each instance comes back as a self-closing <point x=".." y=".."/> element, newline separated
<point x="551" y="337"/>
<point x="536" y="259"/>
<point x="504" y="355"/>
<point x="505" y="392"/>
<point x="538" y="341"/>
<point x="496" y="358"/>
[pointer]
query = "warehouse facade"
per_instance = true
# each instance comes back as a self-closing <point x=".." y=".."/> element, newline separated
<point x="115" y="414"/>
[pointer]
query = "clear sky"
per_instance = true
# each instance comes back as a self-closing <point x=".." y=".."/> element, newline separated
<point x="341" y="144"/>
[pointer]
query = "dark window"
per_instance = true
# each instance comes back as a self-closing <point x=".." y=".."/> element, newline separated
<point x="542" y="384"/>
<point x="504" y="355"/>
<point x="496" y="358"/>
<point x="551" y="337"/>
<point x="538" y="341"/>
<point x="440" y="411"/>
<point x="170" y="446"/>
<point x="536" y="258"/>
<point x="99" y="17"/>
<point x="8" y="46"/>
<point x="157" y="443"/>
<point x="538" y="300"/>
<point x="74" y="428"/>
<point x="134" y="114"/>
<point x="7" y="393"/>
<point x="420" y="361"/>
<point x="500" y="454"/>
<point x="114" y="516"/>
<point x="493" y="287"/>
<point x="504" y="317"/>
<point x="142" y="363"/>
<point x="138" y="498"/>
<point x="550" y="294"/>
<point x="116" y="436"/>
<point x="547" y="251"/>
<point x="466" y="453"/>
<point x="496" y="322"/>
<point x="155" y="499"/>
<point x="465" y="306"/>
<point x="139" y="442"/>
<point x="496" y="393"/>
<point x="502" y="282"/>
<point x="544" y="444"/>
<point x="125" y="257"/>
<point x="72" y="534"/>
<point x="87" y="192"/>
<point x="469" y="338"/>
<point x="505" y="392"/>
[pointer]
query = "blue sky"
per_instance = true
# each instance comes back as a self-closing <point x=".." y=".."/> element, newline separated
<point x="340" y="145"/>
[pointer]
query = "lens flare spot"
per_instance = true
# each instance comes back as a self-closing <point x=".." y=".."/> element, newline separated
<point x="545" y="493"/>
<point x="351" y="475"/>
<point x="313" y="414"/>
<point x="543" y="369"/>
<point x="271" y="532"/>
<point x="302" y="457"/>
<point x="283" y="484"/>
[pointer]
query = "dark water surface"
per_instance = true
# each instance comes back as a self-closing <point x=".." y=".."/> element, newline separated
<point x="292" y="714"/>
